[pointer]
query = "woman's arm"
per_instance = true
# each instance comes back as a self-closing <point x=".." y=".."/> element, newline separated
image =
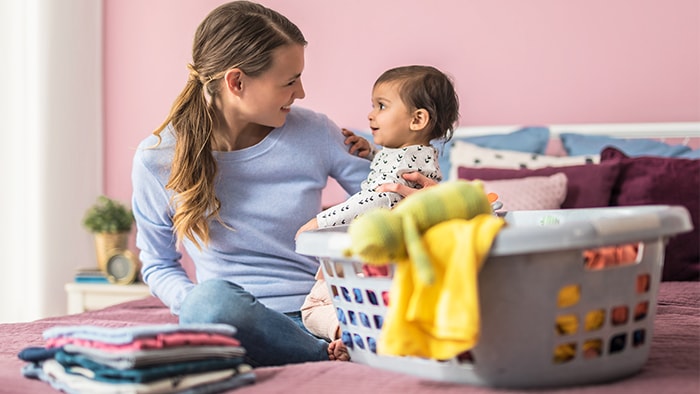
<point x="161" y="268"/>
<point x="404" y="190"/>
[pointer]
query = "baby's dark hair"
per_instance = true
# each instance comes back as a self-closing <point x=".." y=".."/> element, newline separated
<point x="428" y="88"/>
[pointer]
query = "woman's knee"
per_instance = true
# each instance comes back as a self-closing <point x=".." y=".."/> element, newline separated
<point x="215" y="301"/>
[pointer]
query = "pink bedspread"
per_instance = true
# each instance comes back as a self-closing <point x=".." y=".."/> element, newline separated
<point x="673" y="366"/>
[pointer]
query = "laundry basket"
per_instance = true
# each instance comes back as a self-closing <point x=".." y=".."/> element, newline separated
<point x="536" y="257"/>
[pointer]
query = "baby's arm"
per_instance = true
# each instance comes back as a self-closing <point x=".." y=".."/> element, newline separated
<point x="358" y="203"/>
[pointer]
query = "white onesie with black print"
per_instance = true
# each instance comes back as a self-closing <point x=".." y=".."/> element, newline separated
<point x="387" y="167"/>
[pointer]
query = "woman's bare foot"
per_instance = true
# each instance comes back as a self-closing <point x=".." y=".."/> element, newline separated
<point x="337" y="351"/>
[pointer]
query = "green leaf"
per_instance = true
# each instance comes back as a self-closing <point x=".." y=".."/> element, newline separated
<point x="108" y="216"/>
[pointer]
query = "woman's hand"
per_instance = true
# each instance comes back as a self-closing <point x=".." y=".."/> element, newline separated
<point x="404" y="190"/>
<point x="310" y="225"/>
<point x="358" y="145"/>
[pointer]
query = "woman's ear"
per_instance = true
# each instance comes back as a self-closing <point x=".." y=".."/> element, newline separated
<point x="420" y="119"/>
<point x="234" y="80"/>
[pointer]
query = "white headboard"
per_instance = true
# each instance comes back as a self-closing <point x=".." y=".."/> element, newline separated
<point x="619" y="130"/>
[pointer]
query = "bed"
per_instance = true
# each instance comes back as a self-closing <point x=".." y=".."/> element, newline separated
<point x="673" y="365"/>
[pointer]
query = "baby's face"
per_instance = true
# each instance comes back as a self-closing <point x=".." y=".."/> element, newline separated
<point x="390" y="119"/>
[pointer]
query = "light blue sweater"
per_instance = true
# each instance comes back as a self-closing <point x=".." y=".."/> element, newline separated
<point x="266" y="191"/>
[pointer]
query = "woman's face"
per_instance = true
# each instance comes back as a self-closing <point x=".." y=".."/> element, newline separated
<point x="266" y="99"/>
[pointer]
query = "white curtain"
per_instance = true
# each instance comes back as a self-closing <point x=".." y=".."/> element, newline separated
<point x="51" y="149"/>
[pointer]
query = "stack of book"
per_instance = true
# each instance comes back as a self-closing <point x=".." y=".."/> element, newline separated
<point x="90" y="275"/>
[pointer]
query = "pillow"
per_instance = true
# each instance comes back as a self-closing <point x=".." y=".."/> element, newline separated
<point x="670" y="181"/>
<point x="531" y="193"/>
<point x="526" y="139"/>
<point x="693" y="154"/>
<point x="464" y="154"/>
<point x="580" y="144"/>
<point x="588" y="186"/>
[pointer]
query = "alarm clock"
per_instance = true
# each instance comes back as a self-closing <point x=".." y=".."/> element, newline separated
<point x="122" y="266"/>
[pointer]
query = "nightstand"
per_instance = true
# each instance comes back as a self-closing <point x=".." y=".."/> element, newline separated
<point x="84" y="297"/>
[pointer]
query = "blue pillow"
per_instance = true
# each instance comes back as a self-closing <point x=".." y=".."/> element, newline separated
<point x="526" y="139"/>
<point x="580" y="144"/>
<point x="693" y="154"/>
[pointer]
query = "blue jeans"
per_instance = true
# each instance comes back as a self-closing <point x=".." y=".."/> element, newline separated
<point x="269" y="337"/>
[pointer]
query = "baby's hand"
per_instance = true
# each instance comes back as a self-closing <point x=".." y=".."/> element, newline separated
<point x="358" y="145"/>
<point x="310" y="225"/>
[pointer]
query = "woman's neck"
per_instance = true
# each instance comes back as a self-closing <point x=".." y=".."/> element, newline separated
<point x="226" y="138"/>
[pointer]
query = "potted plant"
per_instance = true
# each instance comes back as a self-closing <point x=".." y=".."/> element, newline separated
<point x="110" y="221"/>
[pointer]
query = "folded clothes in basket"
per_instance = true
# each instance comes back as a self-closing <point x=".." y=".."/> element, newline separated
<point x="442" y="319"/>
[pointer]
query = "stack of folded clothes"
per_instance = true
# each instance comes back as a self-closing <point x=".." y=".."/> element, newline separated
<point x="164" y="358"/>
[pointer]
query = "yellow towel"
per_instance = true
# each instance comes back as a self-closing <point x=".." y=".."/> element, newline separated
<point x="441" y="320"/>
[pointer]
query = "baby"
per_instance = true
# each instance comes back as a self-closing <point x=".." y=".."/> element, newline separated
<point x="411" y="106"/>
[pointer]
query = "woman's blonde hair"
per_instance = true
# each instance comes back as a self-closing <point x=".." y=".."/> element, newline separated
<point x="239" y="34"/>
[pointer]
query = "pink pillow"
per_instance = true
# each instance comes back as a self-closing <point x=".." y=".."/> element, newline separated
<point x="588" y="186"/>
<point x="531" y="193"/>
<point x="669" y="181"/>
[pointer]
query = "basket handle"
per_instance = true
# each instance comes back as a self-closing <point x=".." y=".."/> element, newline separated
<point x="603" y="226"/>
<point x="640" y="224"/>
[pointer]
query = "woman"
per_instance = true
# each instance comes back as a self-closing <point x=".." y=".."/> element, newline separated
<point x="231" y="174"/>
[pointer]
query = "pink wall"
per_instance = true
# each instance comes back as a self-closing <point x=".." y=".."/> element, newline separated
<point x="514" y="61"/>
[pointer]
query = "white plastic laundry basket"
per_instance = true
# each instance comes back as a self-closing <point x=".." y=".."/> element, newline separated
<point x="529" y="265"/>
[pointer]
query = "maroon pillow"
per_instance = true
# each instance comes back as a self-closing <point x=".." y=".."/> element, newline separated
<point x="668" y="181"/>
<point x="588" y="186"/>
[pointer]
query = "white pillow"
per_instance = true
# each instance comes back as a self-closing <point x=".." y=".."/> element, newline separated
<point x="464" y="154"/>
<point x="531" y="193"/>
